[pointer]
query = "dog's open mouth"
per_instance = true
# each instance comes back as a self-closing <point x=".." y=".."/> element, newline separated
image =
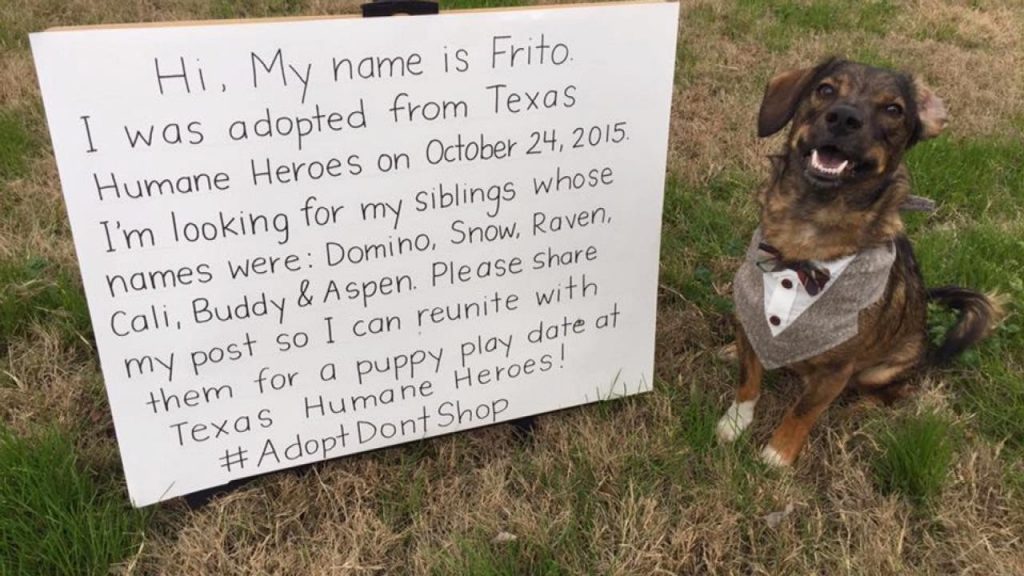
<point x="828" y="165"/>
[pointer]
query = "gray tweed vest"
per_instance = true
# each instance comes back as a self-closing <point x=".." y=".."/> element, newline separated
<point x="829" y="321"/>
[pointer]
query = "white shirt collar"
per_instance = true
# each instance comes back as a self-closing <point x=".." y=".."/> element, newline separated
<point x="785" y="297"/>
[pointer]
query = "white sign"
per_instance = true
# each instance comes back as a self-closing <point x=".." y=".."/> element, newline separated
<point x="310" y="238"/>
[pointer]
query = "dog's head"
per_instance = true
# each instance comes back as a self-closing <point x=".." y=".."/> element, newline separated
<point x="851" y="123"/>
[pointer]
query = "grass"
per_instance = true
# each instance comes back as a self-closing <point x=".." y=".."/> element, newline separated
<point x="948" y="32"/>
<point x="697" y="420"/>
<point x="574" y="483"/>
<point x="989" y="382"/>
<point x="255" y="8"/>
<point x="15" y="146"/>
<point x="468" y="4"/>
<point x="996" y="398"/>
<point x="822" y="16"/>
<point x="400" y="502"/>
<point x="480" y="555"/>
<point x="979" y="178"/>
<point x="978" y="184"/>
<point x="780" y="22"/>
<point x="932" y="485"/>
<point x="55" y="518"/>
<point x="33" y="290"/>
<point x="871" y="55"/>
<point x="915" y="457"/>
<point x="702" y="238"/>
<point x="987" y="258"/>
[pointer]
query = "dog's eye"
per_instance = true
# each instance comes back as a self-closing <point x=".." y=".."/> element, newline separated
<point x="826" y="90"/>
<point x="894" y="110"/>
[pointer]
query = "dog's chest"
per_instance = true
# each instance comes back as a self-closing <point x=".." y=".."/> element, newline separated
<point x="786" y="324"/>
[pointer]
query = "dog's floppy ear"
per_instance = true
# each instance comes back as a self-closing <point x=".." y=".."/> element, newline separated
<point x="781" y="97"/>
<point x="931" y="111"/>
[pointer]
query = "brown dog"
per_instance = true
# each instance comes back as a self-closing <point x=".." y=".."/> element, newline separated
<point x="830" y="287"/>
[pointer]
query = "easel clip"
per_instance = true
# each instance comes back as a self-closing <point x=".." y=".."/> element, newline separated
<point x="379" y="8"/>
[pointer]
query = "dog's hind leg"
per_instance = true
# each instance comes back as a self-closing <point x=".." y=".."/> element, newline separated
<point x="823" y="385"/>
<point x="741" y="412"/>
<point x="887" y="381"/>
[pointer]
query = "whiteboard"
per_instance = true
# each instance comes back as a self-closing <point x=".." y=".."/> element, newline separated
<point x="303" y="239"/>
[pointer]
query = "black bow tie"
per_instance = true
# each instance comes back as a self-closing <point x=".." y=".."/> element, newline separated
<point x="813" y="277"/>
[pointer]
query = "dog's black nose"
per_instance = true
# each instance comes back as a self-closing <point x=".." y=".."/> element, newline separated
<point x="844" y="119"/>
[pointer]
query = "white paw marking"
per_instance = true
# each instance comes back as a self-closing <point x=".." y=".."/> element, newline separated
<point x="736" y="420"/>
<point x="772" y="458"/>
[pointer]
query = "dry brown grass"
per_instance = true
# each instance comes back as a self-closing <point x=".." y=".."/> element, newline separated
<point x="608" y="489"/>
<point x="50" y="383"/>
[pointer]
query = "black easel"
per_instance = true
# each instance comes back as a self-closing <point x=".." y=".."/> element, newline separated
<point x="379" y="8"/>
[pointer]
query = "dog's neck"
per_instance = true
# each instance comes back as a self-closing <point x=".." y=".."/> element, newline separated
<point x="806" y="223"/>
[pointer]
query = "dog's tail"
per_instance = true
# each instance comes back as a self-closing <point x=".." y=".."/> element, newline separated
<point x="979" y="314"/>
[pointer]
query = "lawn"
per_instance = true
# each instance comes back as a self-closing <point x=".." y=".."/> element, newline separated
<point x="933" y="485"/>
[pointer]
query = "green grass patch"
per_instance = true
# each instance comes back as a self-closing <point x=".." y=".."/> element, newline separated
<point x="870" y="54"/>
<point x="653" y="470"/>
<point x="13" y="34"/>
<point x="16" y="23"/>
<point x="872" y="17"/>
<point x="987" y="380"/>
<point x="401" y="502"/>
<point x="744" y="472"/>
<point x="16" y="144"/>
<point x="255" y="8"/>
<point x="468" y="4"/>
<point x="9" y="38"/>
<point x="479" y="556"/>
<point x="994" y="394"/>
<point x="54" y="517"/>
<point x="978" y="177"/>
<point x="984" y="256"/>
<point x="33" y="290"/>
<point x="948" y="33"/>
<point x="697" y="420"/>
<point x="703" y="229"/>
<point x="578" y="486"/>
<point x="572" y="481"/>
<point x="915" y="457"/>
<point x="779" y="23"/>
<point x="686" y="64"/>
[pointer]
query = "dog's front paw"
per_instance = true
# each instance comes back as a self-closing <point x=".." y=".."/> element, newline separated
<point x="735" y="420"/>
<point x="772" y="457"/>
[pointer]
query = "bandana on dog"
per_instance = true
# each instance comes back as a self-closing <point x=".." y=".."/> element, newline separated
<point x="827" y="320"/>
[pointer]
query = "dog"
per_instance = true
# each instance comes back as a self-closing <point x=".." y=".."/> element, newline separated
<point x="829" y="287"/>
